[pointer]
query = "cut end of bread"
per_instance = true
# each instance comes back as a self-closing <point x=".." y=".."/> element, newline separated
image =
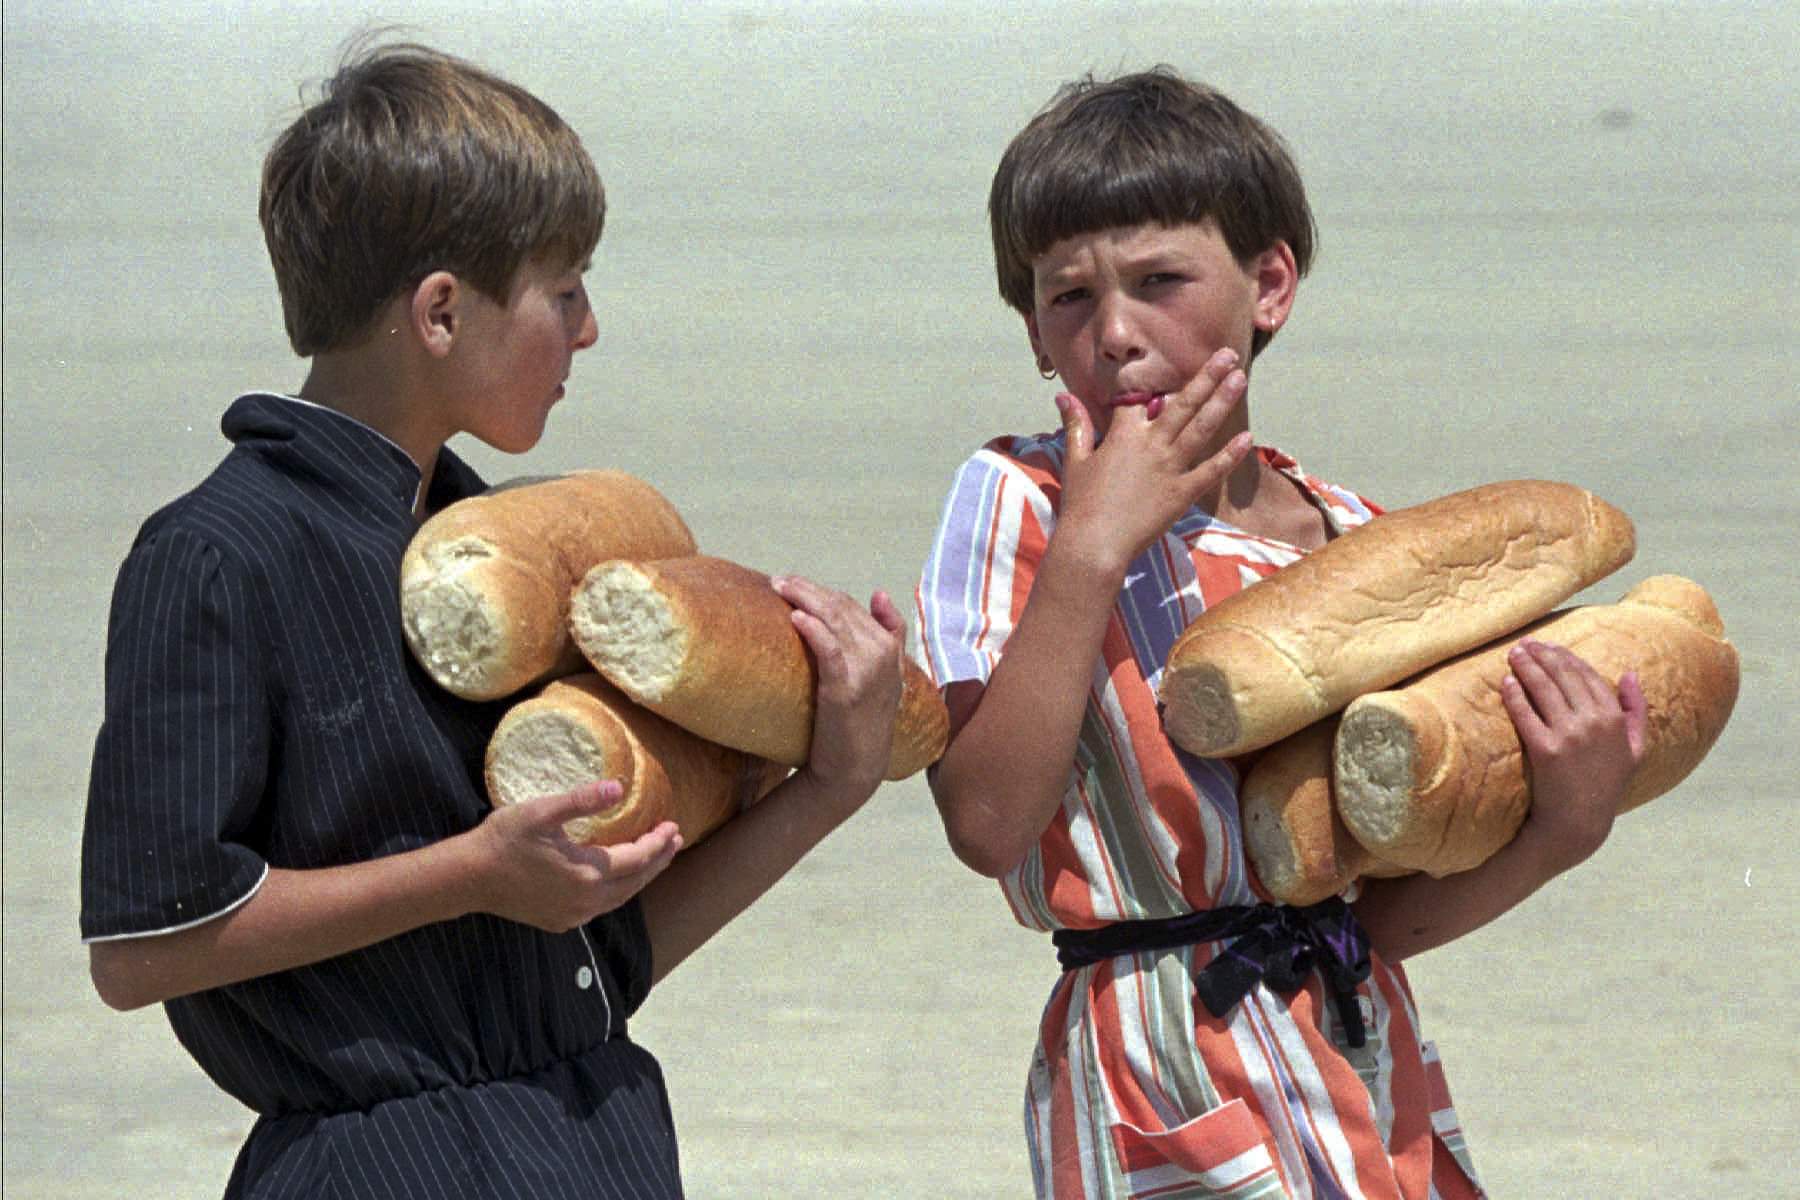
<point x="1271" y="853"/>
<point x="1199" y="711"/>
<point x="1373" y="773"/>
<point x="543" y="754"/>
<point x="547" y="753"/>
<point x="453" y="627"/>
<point x="627" y="630"/>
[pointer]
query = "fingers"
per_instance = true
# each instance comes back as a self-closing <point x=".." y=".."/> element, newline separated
<point x="1637" y="714"/>
<point x="584" y="801"/>
<point x="1077" y="427"/>
<point x="1195" y="413"/>
<point x="827" y="617"/>
<point x="886" y="612"/>
<point x="651" y="852"/>
<point x="1557" y="688"/>
<point x="1547" y="676"/>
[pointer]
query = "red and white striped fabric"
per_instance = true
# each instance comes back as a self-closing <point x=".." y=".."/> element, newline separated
<point x="1135" y="1090"/>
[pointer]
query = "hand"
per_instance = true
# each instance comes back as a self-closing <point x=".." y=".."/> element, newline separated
<point x="529" y="871"/>
<point x="1148" y="471"/>
<point x="1583" y="739"/>
<point x="859" y="662"/>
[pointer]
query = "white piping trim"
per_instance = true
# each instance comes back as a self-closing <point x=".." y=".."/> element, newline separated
<point x="599" y="978"/>
<point x="232" y="907"/>
<point x="418" y="488"/>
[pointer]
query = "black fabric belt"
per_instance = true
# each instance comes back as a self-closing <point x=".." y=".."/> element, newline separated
<point x="1276" y="944"/>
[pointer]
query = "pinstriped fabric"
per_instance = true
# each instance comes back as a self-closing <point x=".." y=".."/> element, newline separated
<point x="262" y="710"/>
<point x="1134" y="1089"/>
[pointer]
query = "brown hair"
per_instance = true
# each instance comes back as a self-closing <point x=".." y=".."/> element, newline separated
<point x="413" y="161"/>
<point x="1145" y="148"/>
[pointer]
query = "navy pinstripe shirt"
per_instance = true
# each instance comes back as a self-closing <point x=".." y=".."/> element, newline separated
<point x="262" y="710"/>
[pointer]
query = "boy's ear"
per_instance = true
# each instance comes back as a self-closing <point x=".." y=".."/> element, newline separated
<point x="1277" y="279"/>
<point x="436" y="313"/>
<point x="1031" y="331"/>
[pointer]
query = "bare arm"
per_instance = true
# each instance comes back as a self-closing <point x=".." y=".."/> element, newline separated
<point x="1582" y="739"/>
<point x="1012" y="742"/>
<point x="859" y="661"/>
<point x="516" y="864"/>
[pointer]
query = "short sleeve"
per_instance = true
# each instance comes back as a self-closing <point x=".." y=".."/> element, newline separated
<point x="991" y="537"/>
<point x="182" y="754"/>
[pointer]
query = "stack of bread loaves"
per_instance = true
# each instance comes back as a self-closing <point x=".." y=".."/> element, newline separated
<point x="485" y="597"/>
<point x="1353" y="780"/>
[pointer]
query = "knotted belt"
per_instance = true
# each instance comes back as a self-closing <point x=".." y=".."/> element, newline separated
<point x="1276" y="944"/>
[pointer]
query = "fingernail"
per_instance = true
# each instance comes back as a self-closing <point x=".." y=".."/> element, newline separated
<point x="1062" y="404"/>
<point x="1154" y="407"/>
<point x="1227" y="358"/>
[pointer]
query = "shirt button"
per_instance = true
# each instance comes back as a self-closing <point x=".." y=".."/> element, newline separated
<point x="584" y="978"/>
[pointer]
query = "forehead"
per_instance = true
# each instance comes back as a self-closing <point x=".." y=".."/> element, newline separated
<point x="1126" y="244"/>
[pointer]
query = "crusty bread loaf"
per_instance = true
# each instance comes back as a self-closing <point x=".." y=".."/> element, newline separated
<point x="710" y="645"/>
<point x="1385" y="600"/>
<point x="484" y="584"/>
<point x="580" y="729"/>
<point x="1300" y="850"/>
<point x="1432" y="776"/>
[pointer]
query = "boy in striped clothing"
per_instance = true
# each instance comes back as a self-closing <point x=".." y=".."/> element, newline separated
<point x="287" y="840"/>
<point x="1152" y="236"/>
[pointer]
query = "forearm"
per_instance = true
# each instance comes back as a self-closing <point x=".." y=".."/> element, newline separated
<point x="1414" y="913"/>
<point x="293" y="919"/>
<point x="706" y="887"/>
<point x="1003" y="775"/>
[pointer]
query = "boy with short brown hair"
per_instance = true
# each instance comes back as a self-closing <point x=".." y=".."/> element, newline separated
<point x="1201" y="1042"/>
<point x="287" y="839"/>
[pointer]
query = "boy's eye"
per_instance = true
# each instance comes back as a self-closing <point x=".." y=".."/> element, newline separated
<point x="1071" y="296"/>
<point x="1156" y="278"/>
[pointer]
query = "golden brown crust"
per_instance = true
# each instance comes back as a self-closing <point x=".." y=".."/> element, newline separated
<point x="1300" y="850"/>
<point x="1383" y="601"/>
<point x="1458" y="788"/>
<point x="668" y="773"/>
<point x="502" y="565"/>
<point x="747" y="678"/>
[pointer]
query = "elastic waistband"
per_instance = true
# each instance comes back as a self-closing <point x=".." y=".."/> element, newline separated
<point x="1274" y="944"/>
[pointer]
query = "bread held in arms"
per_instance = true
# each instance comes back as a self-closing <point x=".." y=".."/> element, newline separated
<point x="1385" y="600"/>
<point x="580" y="729"/>
<point x="1432" y="775"/>
<point x="485" y="582"/>
<point x="710" y="645"/>
<point x="1299" y="848"/>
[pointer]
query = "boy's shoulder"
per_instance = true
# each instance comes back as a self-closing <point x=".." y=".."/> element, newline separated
<point x="292" y="470"/>
<point x="1038" y="454"/>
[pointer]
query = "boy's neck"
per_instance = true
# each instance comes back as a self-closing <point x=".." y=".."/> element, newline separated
<point x="1257" y="498"/>
<point x="371" y="383"/>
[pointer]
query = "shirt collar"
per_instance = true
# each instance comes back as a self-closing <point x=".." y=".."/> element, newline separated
<point x="345" y="452"/>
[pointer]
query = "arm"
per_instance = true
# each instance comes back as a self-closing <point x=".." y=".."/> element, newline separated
<point x="859" y="663"/>
<point x="1002" y="777"/>
<point x="516" y="864"/>
<point x="1583" y="739"/>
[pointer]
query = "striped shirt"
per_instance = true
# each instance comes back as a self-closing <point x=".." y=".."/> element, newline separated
<point x="262" y="711"/>
<point x="1135" y="1090"/>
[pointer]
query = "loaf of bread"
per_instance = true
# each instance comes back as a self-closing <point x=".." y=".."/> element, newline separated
<point x="1432" y="776"/>
<point x="1299" y="849"/>
<point x="485" y="583"/>
<point x="710" y="645"/>
<point x="580" y="729"/>
<point x="1383" y="601"/>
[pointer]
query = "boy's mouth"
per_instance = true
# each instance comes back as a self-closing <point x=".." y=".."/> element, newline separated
<point x="1132" y="399"/>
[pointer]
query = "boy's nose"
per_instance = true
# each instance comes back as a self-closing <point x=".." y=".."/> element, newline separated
<point x="587" y="330"/>
<point x="1119" y="341"/>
